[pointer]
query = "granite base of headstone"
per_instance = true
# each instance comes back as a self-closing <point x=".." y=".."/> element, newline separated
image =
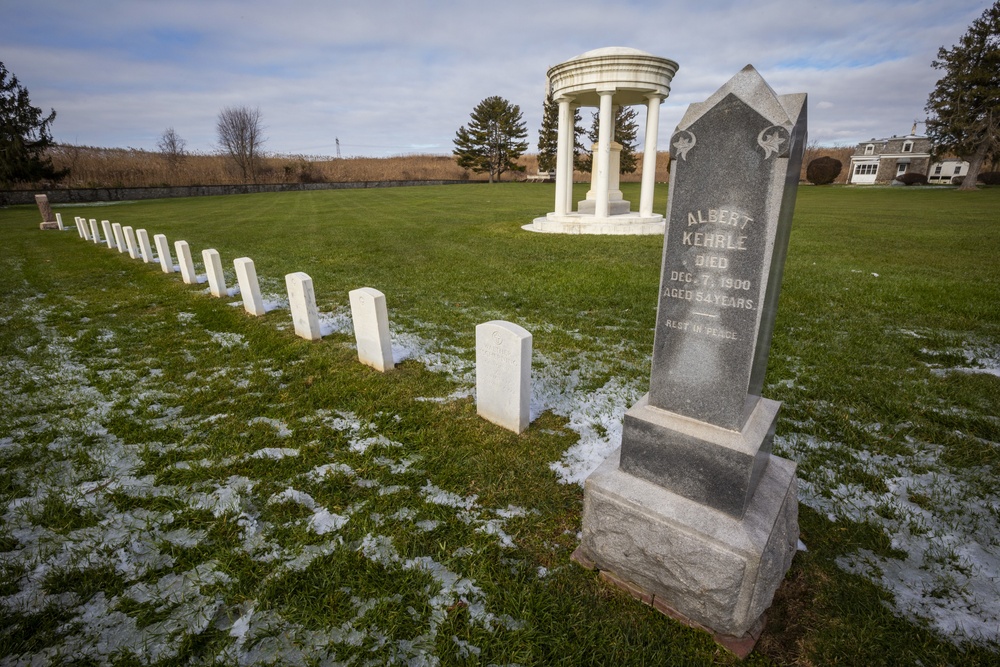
<point x="48" y="218"/>
<point x="503" y="374"/>
<point x="693" y="513"/>
<point x="302" y="304"/>
<point x="246" y="276"/>
<point x="370" y="318"/>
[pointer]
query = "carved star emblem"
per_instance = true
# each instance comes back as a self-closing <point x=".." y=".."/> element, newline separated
<point x="683" y="145"/>
<point x="771" y="144"/>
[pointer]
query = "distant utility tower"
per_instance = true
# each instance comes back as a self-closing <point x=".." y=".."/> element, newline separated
<point x="338" y="146"/>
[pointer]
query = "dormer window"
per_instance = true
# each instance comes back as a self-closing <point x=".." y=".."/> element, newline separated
<point x="907" y="146"/>
<point x="870" y="149"/>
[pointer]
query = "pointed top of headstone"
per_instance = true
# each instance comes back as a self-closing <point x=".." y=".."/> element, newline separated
<point x="749" y="86"/>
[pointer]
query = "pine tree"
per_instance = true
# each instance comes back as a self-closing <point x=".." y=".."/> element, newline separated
<point x="24" y="136"/>
<point x="964" y="107"/>
<point x="494" y="139"/>
<point x="625" y="132"/>
<point x="548" y="136"/>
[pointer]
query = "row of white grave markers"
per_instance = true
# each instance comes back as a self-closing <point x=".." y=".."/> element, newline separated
<point x="503" y="349"/>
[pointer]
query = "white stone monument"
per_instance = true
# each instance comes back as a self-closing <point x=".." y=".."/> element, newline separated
<point x="144" y="249"/>
<point x="606" y="78"/>
<point x="109" y="236"/>
<point x="116" y="229"/>
<point x="246" y="276"/>
<point x="213" y="269"/>
<point x="302" y="302"/>
<point x="133" y="246"/>
<point x="95" y="235"/>
<point x="81" y="228"/>
<point x="163" y="252"/>
<point x="60" y="222"/>
<point x="371" y="328"/>
<point x="187" y="264"/>
<point x="503" y="374"/>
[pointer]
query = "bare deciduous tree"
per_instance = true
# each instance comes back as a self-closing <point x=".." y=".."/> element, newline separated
<point x="172" y="146"/>
<point x="241" y="137"/>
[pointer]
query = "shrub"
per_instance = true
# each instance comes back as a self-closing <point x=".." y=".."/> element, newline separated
<point x="823" y="170"/>
<point x="912" y="178"/>
<point x="989" y="178"/>
<point x="957" y="180"/>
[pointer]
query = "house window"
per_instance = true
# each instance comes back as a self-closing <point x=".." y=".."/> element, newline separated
<point x="958" y="169"/>
<point x="908" y="147"/>
<point x="869" y="149"/>
<point x="937" y="170"/>
<point x="865" y="169"/>
<point x="901" y="168"/>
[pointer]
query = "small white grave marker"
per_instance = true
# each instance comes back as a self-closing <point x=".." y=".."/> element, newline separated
<point x="371" y="328"/>
<point x="108" y="235"/>
<point x="116" y="229"/>
<point x="59" y="221"/>
<point x="95" y="235"/>
<point x="213" y="267"/>
<point x="503" y="374"/>
<point x="246" y="275"/>
<point x="81" y="228"/>
<point x="144" y="249"/>
<point x="163" y="251"/>
<point x="187" y="265"/>
<point x="133" y="247"/>
<point x="302" y="302"/>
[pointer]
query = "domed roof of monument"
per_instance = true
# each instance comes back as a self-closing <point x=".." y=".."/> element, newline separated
<point x="611" y="51"/>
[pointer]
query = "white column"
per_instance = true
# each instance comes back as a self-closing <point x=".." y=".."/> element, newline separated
<point x="570" y="154"/>
<point x="649" y="156"/>
<point x="163" y="251"/>
<point x="213" y="267"/>
<point x="187" y="265"/>
<point x="564" y="147"/>
<point x="246" y="276"/>
<point x="602" y="160"/>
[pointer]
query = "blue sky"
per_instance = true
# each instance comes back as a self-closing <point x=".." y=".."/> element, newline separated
<point x="400" y="76"/>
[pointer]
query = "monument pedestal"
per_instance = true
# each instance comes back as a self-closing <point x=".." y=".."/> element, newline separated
<point x="716" y="570"/>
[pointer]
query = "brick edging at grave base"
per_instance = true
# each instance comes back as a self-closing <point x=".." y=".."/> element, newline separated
<point x="86" y="195"/>
<point x="739" y="646"/>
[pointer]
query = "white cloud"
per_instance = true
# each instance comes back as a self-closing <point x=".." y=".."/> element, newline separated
<point x="401" y="76"/>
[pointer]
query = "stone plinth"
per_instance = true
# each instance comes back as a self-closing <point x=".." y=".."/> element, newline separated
<point x="715" y="569"/>
<point x="575" y="223"/>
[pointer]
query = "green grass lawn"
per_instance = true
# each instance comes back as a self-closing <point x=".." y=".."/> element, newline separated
<point x="182" y="483"/>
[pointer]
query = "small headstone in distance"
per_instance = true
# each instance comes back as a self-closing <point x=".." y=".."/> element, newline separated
<point x="163" y="252"/>
<point x="108" y="234"/>
<point x="213" y="269"/>
<point x="371" y="328"/>
<point x="503" y="374"/>
<point x="116" y="229"/>
<point x="246" y="276"/>
<point x="95" y="235"/>
<point x="144" y="248"/>
<point x="302" y="303"/>
<point x="187" y="264"/>
<point x="48" y="219"/>
<point x="130" y="242"/>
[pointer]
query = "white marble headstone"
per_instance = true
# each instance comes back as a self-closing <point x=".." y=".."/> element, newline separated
<point x="213" y="268"/>
<point x="503" y="374"/>
<point x="81" y="228"/>
<point x="108" y="235"/>
<point x="246" y="275"/>
<point x="116" y="229"/>
<point x="163" y="252"/>
<point x="95" y="235"/>
<point x="133" y="246"/>
<point x="371" y="328"/>
<point x="144" y="248"/>
<point x="59" y="221"/>
<point x="302" y="302"/>
<point x="187" y="264"/>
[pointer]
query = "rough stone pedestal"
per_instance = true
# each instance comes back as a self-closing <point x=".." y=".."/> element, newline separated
<point x="713" y="569"/>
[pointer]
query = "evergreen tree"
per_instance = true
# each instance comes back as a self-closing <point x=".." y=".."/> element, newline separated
<point x="24" y="136"/>
<point x="964" y="107"/>
<point x="625" y="132"/>
<point x="548" y="136"/>
<point x="493" y="140"/>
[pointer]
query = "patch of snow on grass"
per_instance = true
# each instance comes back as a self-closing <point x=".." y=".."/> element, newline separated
<point x="226" y="339"/>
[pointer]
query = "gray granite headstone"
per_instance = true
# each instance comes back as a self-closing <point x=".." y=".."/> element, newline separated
<point x="694" y="511"/>
<point x="48" y="218"/>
